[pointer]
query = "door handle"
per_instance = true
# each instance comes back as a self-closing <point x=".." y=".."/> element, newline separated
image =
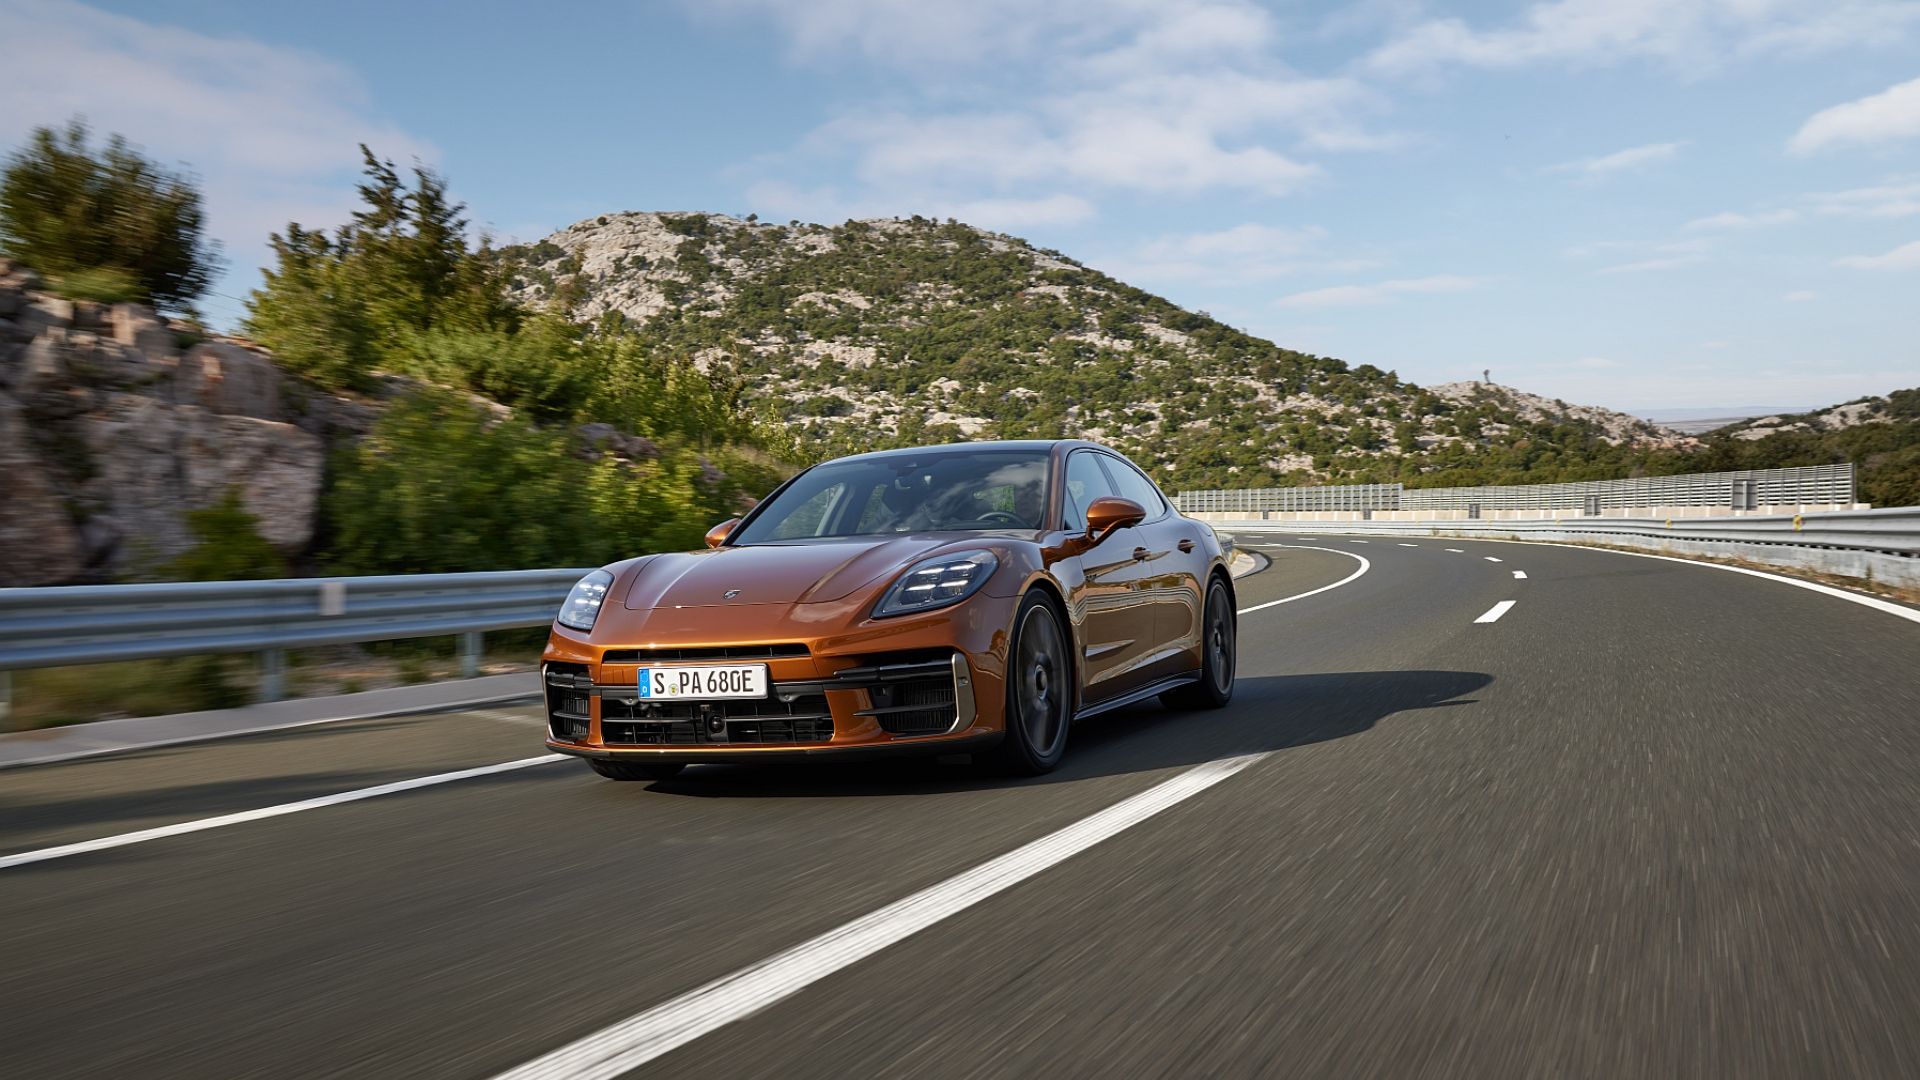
<point x="1141" y="553"/>
<point x="1186" y="547"/>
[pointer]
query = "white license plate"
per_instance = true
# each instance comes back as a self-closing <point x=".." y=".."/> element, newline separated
<point x="703" y="682"/>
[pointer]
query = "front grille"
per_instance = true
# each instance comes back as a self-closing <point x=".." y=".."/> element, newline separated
<point x="704" y="652"/>
<point x="569" y="694"/>
<point x="755" y="721"/>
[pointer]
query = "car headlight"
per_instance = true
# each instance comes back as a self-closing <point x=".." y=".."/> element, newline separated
<point x="583" y="601"/>
<point x="937" y="582"/>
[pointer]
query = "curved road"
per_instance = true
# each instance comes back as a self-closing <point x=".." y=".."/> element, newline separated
<point x="1654" y="819"/>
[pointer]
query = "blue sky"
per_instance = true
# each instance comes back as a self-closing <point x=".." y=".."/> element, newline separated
<point x="1635" y="203"/>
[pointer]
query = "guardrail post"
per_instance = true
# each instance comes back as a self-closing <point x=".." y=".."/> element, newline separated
<point x="470" y="654"/>
<point x="273" y="674"/>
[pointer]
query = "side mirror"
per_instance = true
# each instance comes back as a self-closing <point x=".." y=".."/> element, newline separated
<point x="1110" y="512"/>
<point x="719" y="533"/>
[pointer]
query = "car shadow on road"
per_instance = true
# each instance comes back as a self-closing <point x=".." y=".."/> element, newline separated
<point x="1268" y="713"/>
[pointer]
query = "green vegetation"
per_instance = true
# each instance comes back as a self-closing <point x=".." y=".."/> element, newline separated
<point x="445" y="481"/>
<point x="110" y="226"/>
<point x="227" y="546"/>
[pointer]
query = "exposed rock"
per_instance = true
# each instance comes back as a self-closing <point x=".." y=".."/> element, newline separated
<point x="138" y="327"/>
<point x="226" y="378"/>
<point x="151" y="460"/>
<point x="39" y="544"/>
<point x="1614" y="427"/>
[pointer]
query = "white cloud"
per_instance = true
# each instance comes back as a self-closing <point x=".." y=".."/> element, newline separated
<point x="1685" y="33"/>
<point x="1357" y="295"/>
<point x="1904" y="257"/>
<point x="1633" y="157"/>
<point x="1246" y="252"/>
<point x="1890" y="115"/>
<point x="1716" y="344"/>
<point x="1898" y="197"/>
<point x="1731" y="221"/>
<point x="1800" y="296"/>
<point x="273" y="131"/>
<point x="1085" y="96"/>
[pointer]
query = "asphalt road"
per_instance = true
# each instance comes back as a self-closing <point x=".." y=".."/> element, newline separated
<point x="1654" y="820"/>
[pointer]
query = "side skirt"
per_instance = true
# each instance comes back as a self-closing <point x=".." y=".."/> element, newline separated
<point x="1142" y="694"/>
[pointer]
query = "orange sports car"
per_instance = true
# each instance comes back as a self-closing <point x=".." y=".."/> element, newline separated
<point x="948" y="599"/>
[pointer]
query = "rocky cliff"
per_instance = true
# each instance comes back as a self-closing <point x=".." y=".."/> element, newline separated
<point x="110" y="430"/>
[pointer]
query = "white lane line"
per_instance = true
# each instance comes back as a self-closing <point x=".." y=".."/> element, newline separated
<point x="1493" y="614"/>
<point x="123" y="839"/>
<point x="1359" y="541"/>
<point x="1364" y="567"/>
<point x="1520" y="575"/>
<point x="1456" y="551"/>
<point x="645" y="1036"/>
<point x="1489" y="558"/>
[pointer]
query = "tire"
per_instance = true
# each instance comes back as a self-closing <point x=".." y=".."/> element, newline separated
<point x="637" y="770"/>
<point x="1040" y="684"/>
<point x="1219" y="652"/>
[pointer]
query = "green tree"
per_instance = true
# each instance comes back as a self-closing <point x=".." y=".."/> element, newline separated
<point x="111" y="220"/>
<point x="336" y="308"/>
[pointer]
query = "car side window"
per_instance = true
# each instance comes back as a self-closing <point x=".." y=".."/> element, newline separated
<point x="1086" y="481"/>
<point x="1133" y="485"/>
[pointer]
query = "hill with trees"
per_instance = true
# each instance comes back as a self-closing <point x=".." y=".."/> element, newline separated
<point x="898" y="331"/>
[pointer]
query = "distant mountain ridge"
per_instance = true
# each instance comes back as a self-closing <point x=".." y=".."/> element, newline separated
<point x="897" y="331"/>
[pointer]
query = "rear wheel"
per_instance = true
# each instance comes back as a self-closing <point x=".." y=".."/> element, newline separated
<point x="1217" y="650"/>
<point x="1039" y="690"/>
<point x="637" y="770"/>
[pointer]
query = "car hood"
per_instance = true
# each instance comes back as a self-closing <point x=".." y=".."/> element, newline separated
<point x="817" y="571"/>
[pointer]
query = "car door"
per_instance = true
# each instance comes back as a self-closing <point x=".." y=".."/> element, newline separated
<point x="1171" y="568"/>
<point x="1113" y="615"/>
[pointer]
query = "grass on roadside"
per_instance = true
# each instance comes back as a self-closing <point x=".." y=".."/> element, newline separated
<point x="53" y="697"/>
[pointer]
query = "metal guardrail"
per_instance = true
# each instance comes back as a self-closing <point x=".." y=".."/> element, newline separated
<point x="1891" y="531"/>
<point x="88" y="624"/>
<point x="1743" y="490"/>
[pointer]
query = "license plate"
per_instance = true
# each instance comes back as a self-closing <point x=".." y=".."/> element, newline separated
<point x="703" y="682"/>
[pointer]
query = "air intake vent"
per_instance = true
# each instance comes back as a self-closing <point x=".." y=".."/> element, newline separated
<point x="569" y="694"/>
<point x="704" y="652"/>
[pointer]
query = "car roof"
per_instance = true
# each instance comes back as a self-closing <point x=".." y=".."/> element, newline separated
<point x="986" y="445"/>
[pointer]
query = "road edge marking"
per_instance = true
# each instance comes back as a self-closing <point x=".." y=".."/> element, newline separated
<point x="1364" y="567"/>
<point x="179" y="828"/>
<point x="647" y="1035"/>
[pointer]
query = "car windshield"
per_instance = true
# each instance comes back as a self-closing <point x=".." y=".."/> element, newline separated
<point x="937" y="491"/>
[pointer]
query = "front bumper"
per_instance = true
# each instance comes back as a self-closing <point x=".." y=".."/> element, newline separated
<point x="927" y="696"/>
<point x="972" y="742"/>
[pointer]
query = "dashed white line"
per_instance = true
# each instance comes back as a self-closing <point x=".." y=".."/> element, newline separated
<point x="522" y="719"/>
<point x="1409" y="545"/>
<point x="123" y="839"/>
<point x="1456" y="551"/>
<point x="646" y="1036"/>
<point x="1359" y="541"/>
<point x="1520" y="575"/>
<point x="1493" y="614"/>
<point x="1489" y="558"/>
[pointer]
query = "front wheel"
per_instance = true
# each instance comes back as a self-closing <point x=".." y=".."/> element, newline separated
<point x="637" y="770"/>
<point x="1039" y="690"/>
<point x="1217" y="653"/>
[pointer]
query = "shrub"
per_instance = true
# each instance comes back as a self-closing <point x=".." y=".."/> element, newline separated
<point x="108" y="219"/>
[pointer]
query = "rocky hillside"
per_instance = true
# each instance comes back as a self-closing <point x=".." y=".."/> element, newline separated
<point x="110" y="429"/>
<point x="892" y="331"/>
